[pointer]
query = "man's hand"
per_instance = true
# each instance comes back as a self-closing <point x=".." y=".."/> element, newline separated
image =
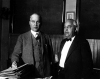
<point x="56" y="58"/>
<point x="14" y="65"/>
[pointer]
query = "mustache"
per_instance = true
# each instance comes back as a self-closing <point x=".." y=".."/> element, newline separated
<point x="66" y="32"/>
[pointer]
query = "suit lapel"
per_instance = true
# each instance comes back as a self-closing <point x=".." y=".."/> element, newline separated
<point x="72" y="47"/>
<point x="29" y="42"/>
<point x="62" y="43"/>
<point x="42" y="42"/>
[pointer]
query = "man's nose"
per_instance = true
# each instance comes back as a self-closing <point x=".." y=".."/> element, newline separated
<point x="35" y="23"/>
<point x="66" y="29"/>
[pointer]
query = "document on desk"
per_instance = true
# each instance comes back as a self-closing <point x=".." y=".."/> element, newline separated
<point x="7" y="74"/>
<point x="12" y="72"/>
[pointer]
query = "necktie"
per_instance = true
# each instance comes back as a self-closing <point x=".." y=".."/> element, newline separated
<point x="37" y="36"/>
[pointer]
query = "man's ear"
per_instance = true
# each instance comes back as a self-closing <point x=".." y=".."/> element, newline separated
<point x="77" y="29"/>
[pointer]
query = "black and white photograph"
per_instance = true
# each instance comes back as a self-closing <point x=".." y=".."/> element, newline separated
<point x="49" y="39"/>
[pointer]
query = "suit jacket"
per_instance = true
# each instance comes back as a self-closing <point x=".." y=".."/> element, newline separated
<point x="78" y="63"/>
<point x="24" y="50"/>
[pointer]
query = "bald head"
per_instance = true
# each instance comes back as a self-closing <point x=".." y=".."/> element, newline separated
<point x="35" y="16"/>
<point x="71" y="21"/>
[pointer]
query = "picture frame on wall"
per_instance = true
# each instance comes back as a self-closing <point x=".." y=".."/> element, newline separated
<point x="70" y="15"/>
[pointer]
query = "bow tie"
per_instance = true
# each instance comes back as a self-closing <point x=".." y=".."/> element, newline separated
<point x="68" y="39"/>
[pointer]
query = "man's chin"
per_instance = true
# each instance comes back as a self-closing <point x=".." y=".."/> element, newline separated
<point x="35" y="30"/>
<point x="65" y="36"/>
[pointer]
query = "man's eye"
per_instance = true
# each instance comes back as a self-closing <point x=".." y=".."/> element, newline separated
<point x="69" y="26"/>
<point x="33" y="21"/>
<point x="38" y="22"/>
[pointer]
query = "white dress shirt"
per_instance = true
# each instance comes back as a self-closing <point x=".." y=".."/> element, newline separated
<point x="35" y="34"/>
<point x="64" y="52"/>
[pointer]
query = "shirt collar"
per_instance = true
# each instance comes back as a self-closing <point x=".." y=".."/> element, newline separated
<point x="34" y="33"/>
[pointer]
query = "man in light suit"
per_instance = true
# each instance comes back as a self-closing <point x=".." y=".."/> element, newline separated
<point x="34" y="47"/>
<point x="75" y="59"/>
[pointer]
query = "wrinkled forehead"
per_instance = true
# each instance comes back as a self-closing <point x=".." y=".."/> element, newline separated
<point x="70" y="23"/>
<point x="34" y="17"/>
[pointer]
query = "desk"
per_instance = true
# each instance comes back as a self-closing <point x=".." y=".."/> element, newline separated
<point x="8" y="78"/>
<point x="8" y="74"/>
<point x="96" y="73"/>
<point x="25" y="71"/>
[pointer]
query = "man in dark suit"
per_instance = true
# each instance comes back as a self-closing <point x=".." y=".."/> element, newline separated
<point x="75" y="58"/>
<point x="34" y="47"/>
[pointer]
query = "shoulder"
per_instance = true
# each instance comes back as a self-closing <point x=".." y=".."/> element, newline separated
<point x="83" y="41"/>
<point x="45" y="35"/>
<point x="24" y="35"/>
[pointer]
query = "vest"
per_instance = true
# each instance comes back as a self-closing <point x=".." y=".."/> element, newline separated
<point x="38" y="55"/>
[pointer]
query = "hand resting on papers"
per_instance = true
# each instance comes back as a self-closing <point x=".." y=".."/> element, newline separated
<point x="14" y="65"/>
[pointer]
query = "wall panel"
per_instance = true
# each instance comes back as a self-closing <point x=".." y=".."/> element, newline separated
<point x="50" y="10"/>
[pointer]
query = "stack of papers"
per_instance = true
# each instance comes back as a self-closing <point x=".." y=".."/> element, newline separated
<point x="12" y="73"/>
<point x="8" y="74"/>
